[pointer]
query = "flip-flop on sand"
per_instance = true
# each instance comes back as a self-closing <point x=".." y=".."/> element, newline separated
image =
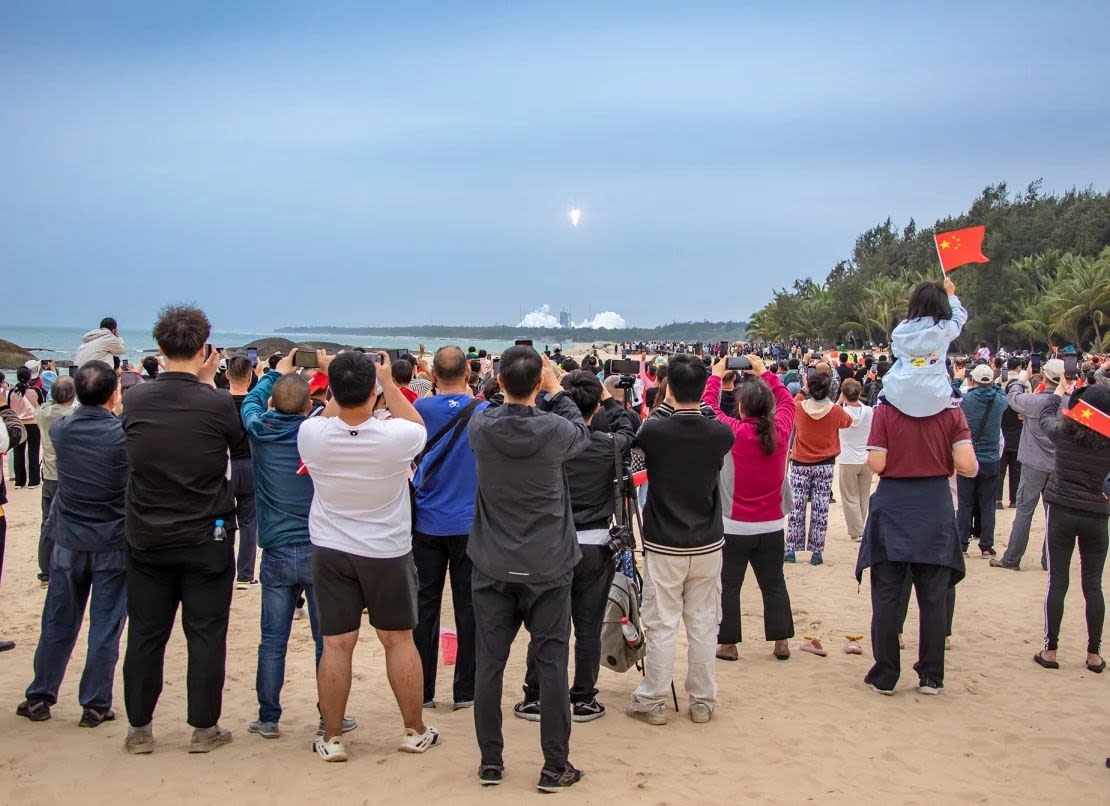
<point x="853" y="646"/>
<point x="813" y="644"/>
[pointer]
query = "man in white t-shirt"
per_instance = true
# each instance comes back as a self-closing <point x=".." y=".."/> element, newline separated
<point x="361" y="532"/>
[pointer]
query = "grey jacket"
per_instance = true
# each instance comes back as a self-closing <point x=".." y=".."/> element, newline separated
<point x="1037" y="449"/>
<point x="523" y="529"/>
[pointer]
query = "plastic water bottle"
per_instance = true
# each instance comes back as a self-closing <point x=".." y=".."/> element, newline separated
<point x="631" y="634"/>
<point x="219" y="534"/>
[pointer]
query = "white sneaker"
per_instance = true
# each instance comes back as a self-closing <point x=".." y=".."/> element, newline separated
<point x="331" y="750"/>
<point x="414" y="742"/>
<point x="700" y="713"/>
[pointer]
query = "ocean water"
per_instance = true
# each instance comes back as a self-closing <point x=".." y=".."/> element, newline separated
<point x="62" y="342"/>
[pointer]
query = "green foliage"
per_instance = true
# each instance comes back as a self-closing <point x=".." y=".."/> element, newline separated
<point x="1046" y="282"/>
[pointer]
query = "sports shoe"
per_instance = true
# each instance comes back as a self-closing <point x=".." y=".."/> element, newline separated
<point x="656" y="716"/>
<point x="267" y="730"/>
<point x="816" y="559"/>
<point x="349" y="724"/>
<point x="586" y="711"/>
<point x="461" y="704"/>
<point x="205" y="740"/>
<point x="92" y="718"/>
<point x="139" y="741"/>
<point x="527" y="709"/>
<point x="700" y="713"/>
<point x="246" y="584"/>
<point x="430" y="705"/>
<point x="928" y="685"/>
<point x="789" y="557"/>
<point x="491" y="774"/>
<point x="331" y="750"/>
<point x="414" y="742"/>
<point x="886" y="692"/>
<point x="558" y="781"/>
<point x="34" y="710"/>
<point x="996" y="562"/>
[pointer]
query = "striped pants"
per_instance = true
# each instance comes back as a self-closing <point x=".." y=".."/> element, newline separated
<point x="809" y="484"/>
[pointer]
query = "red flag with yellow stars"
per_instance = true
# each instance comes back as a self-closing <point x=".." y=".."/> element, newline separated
<point x="1086" y="414"/>
<point x="960" y="247"/>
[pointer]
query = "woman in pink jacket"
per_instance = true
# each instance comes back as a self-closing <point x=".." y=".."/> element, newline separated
<point x="751" y="502"/>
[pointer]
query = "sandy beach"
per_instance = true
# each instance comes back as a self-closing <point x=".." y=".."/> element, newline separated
<point x="807" y="730"/>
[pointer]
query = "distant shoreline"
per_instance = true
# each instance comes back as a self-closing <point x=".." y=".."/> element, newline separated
<point x="677" y="331"/>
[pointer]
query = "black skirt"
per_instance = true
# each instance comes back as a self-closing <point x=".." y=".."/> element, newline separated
<point x="912" y="521"/>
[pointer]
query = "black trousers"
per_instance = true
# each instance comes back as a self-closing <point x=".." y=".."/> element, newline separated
<point x="200" y="579"/>
<point x="1066" y="528"/>
<point x="544" y="609"/>
<point x="46" y="542"/>
<point x="949" y="604"/>
<point x="977" y="492"/>
<point x="28" y="457"/>
<point x="888" y="597"/>
<point x="764" y="552"/>
<point x="1010" y="468"/>
<point x="434" y="556"/>
<point x="589" y="593"/>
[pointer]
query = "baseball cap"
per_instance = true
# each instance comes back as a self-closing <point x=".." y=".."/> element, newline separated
<point x="1053" y="369"/>
<point x="33" y="366"/>
<point x="982" y="374"/>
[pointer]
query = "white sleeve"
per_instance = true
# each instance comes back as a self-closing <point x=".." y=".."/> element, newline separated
<point x="406" y="438"/>
<point x="308" y="439"/>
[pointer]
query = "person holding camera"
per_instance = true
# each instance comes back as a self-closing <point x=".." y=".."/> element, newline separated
<point x="590" y="481"/>
<point x="524" y="547"/>
<point x="751" y="492"/>
<point x="683" y="538"/>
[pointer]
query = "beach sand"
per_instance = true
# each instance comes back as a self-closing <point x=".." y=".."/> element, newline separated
<point x="806" y="730"/>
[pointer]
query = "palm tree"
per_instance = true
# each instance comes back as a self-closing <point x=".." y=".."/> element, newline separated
<point x="881" y="306"/>
<point x="1079" y="298"/>
<point x="1034" y="321"/>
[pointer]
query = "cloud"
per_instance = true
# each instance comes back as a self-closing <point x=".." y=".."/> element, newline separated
<point x="542" y="317"/>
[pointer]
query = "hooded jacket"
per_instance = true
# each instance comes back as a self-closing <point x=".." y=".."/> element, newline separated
<point x="818" y="423"/>
<point x="1079" y="472"/>
<point x="99" y="345"/>
<point x="283" y="498"/>
<point x="590" y="476"/>
<point x="917" y="383"/>
<point x="523" y="529"/>
<point x="985" y="420"/>
<point x="1036" y="449"/>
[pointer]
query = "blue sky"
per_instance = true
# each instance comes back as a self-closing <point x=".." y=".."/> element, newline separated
<point x="403" y="163"/>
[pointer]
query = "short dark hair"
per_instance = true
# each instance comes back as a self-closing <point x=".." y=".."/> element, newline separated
<point x="686" y="377"/>
<point x="570" y="365"/>
<point x="63" y="390"/>
<point x="95" y="382"/>
<point x="401" y="370"/>
<point x="1013" y="362"/>
<point x="793" y="363"/>
<point x="151" y="365"/>
<point x="239" y="368"/>
<point x="819" y="385"/>
<point x="181" y="331"/>
<point x="521" y="369"/>
<point x="584" y="389"/>
<point x="351" y="377"/>
<point x="929" y="300"/>
<point x="843" y="358"/>
<point x="274" y="359"/>
<point x="482" y="353"/>
<point x="449" y="363"/>
<point x="109" y="323"/>
<point x="290" y="394"/>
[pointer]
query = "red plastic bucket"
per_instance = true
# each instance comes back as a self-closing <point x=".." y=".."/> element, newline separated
<point x="449" y="644"/>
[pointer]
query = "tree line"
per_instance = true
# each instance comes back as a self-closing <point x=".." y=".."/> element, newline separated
<point x="1047" y="283"/>
<point x="707" y="332"/>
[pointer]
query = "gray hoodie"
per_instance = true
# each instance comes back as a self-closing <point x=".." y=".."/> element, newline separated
<point x="99" y="345"/>
<point x="523" y="529"/>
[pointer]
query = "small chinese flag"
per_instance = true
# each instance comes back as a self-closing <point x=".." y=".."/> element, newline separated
<point x="960" y="247"/>
<point x="1088" y="415"/>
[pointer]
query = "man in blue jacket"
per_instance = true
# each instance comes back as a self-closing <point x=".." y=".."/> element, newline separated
<point x="283" y="498"/>
<point x="983" y="405"/>
<point x="90" y="551"/>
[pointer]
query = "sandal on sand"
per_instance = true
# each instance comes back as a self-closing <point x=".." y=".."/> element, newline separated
<point x="1099" y="669"/>
<point x="853" y="646"/>
<point x="814" y="645"/>
<point x="1040" y="660"/>
<point x="784" y="654"/>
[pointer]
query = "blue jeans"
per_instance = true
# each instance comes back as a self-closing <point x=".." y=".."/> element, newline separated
<point x="285" y="572"/>
<point x="73" y="575"/>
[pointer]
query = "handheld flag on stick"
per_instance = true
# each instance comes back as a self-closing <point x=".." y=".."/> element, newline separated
<point x="1086" y="414"/>
<point x="960" y="247"/>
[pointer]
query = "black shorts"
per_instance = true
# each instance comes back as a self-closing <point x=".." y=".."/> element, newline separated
<point x="345" y="583"/>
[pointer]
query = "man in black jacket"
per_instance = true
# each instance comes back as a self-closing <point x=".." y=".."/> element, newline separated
<point x="683" y="540"/>
<point x="590" y="478"/>
<point x="180" y="432"/>
<point x="90" y="552"/>
<point x="524" y="549"/>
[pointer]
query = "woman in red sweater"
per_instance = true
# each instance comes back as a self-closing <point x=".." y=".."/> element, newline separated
<point x="751" y="503"/>
<point x="816" y="447"/>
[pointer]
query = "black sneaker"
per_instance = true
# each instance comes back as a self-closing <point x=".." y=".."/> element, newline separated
<point x="988" y="552"/>
<point x="35" y="710"/>
<point x="586" y="711"/>
<point x="527" y="709"/>
<point x="998" y="505"/>
<point x="92" y="718"/>
<point x="927" y="685"/>
<point x="559" y="781"/>
<point x="491" y="774"/>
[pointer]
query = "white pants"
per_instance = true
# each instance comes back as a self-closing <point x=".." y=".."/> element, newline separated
<point x="688" y="588"/>
<point x="855" y="489"/>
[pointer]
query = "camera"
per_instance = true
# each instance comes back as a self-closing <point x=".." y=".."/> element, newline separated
<point x="627" y="370"/>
